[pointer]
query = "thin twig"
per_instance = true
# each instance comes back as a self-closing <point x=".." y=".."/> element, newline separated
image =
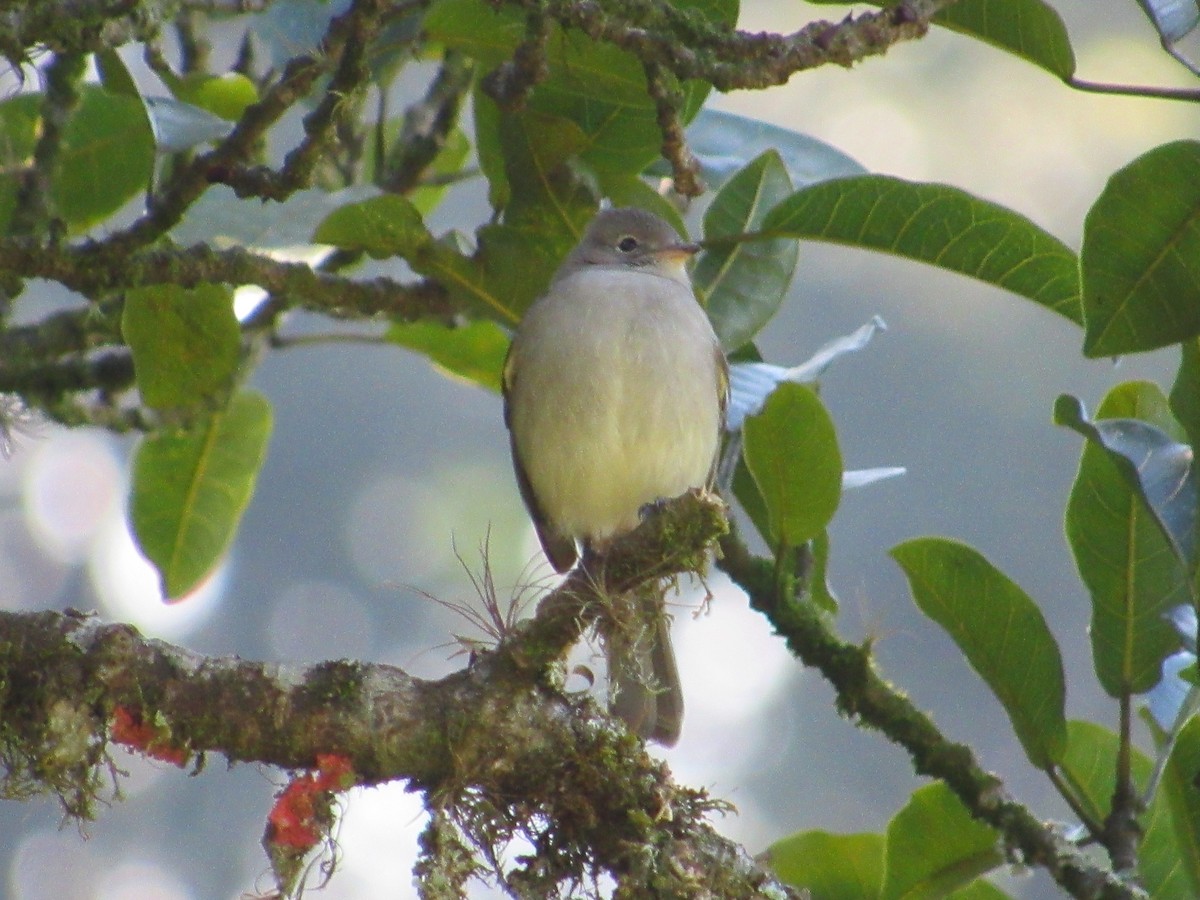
<point x="34" y="207"/>
<point x="1190" y="95"/>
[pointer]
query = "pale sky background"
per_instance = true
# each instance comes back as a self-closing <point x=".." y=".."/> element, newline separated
<point x="379" y="466"/>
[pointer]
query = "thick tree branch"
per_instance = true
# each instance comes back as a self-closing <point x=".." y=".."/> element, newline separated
<point x="685" y="44"/>
<point x="497" y="733"/>
<point x="96" y="269"/>
<point x="863" y="695"/>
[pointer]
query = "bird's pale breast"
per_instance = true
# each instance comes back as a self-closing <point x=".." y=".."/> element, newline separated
<point x="635" y="415"/>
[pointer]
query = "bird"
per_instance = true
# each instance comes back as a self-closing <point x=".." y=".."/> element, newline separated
<point x="615" y="388"/>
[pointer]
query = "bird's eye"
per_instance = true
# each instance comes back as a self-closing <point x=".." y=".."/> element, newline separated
<point x="627" y="244"/>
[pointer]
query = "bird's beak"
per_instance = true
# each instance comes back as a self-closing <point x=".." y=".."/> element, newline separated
<point x="680" y="251"/>
<point x="674" y="258"/>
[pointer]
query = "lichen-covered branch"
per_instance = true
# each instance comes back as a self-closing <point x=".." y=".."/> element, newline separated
<point x="33" y="209"/>
<point x="350" y="35"/>
<point x="668" y="100"/>
<point x="341" y="50"/>
<point x="509" y="84"/>
<point x="497" y="748"/>
<point x="96" y="269"/>
<point x="863" y="695"/>
<point x="427" y="125"/>
<point x="685" y="44"/>
<point x="48" y="360"/>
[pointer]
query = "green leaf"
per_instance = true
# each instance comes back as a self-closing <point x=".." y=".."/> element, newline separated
<point x="830" y="866"/>
<point x="1183" y="800"/>
<point x="742" y="284"/>
<point x="225" y="96"/>
<point x="1154" y="464"/>
<point x="107" y="155"/>
<point x="449" y="161"/>
<point x="935" y="847"/>
<point x="745" y="489"/>
<point x="186" y="343"/>
<point x="939" y="225"/>
<point x="791" y="450"/>
<point x="549" y="204"/>
<point x="114" y="74"/>
<point x="1002" y="633"/>
<point x="487" y="117"/>
<point x="1029" y="29"/>
<point x="599" y="87"/>
<point x="1089" y="767"/>
<point x="819" y="590"/>
<point x="1185" y="392"/>
<point x="384" y="226"/>
<point x="469" y="281"/>
<point x="1123" y="557"/>
<point x="1026" y="28"/>
<point x="191" y="487"/>
<point x="632" y="190"/>
<point x="474" y="351"/>
<point x="1140" y="261"/>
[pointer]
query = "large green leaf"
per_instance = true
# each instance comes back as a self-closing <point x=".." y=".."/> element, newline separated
<point x="791" y="450"/>
<point x="1123" y="556"/>
<point x="745" y="489"/>
<point x="633" y="190"/>
<point x="1089" y="768"/>
<point x="935" y="847"/>
<point x="190" y="489"/>
<point x="1156" y="465"/>
<point x="469" y="281"/>
<point x="939" y="225"/>
<point x="1002" y="633"/>
<point x="474" y="351"/>
<point x="1140" y="261"/>
<point x="487" y="118"/>
<point x="1183" y="799"/>
<point x="114" y="74"/>
<point x="743" y="283"/>
<point x="830" y="866"/>
<point x="225" y="96"/>
<point x="448" y="164"/>
<point x="547" y="204"/>
<point x="383" y="226"/>
<point x="106" y="157"/>
<point x="1029" y="29"/>
<point x="185" y="343"/>
<point x="598" y="86"/>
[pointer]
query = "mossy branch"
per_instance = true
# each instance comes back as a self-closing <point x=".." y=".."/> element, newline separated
<point x="683" y="43"/>
<point x="495" y="747"/>
<point x="866" y="697"/>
